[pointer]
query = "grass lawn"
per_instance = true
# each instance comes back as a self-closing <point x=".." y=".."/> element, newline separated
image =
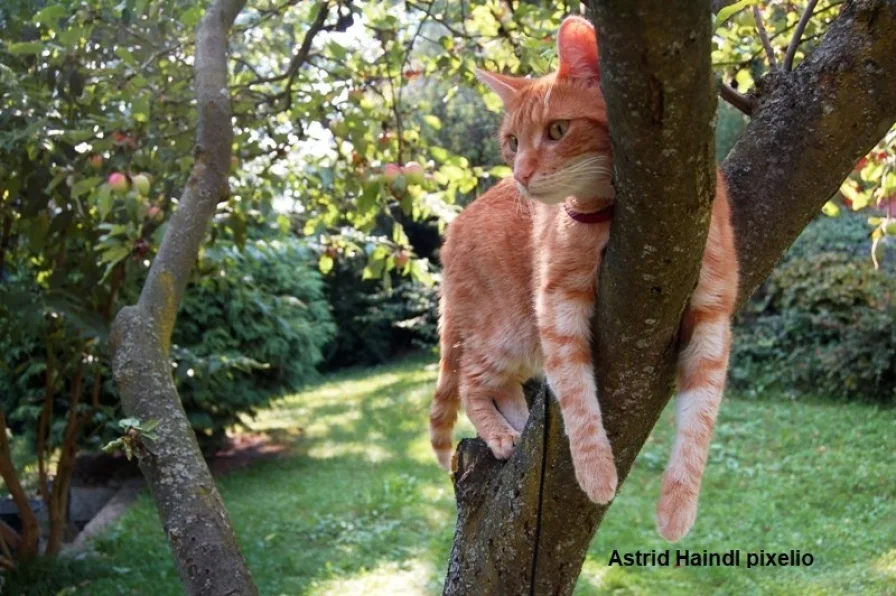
<point x="358" y="506"/>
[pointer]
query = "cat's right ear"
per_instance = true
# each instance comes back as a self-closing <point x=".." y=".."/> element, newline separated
<point x="505" y="86"/>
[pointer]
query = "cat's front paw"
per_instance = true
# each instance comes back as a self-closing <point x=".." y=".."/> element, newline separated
<point x="596" y="471"/>
<point x="502" y="443"/>
<point x="676" y="510"/>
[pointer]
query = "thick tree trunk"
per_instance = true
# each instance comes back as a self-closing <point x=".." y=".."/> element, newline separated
<point x="198" y="527"/>
<point x="524" y="526"/>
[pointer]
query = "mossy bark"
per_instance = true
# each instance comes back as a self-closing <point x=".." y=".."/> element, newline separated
<point x="524" y="526"/>
<point x="195" y="520"/>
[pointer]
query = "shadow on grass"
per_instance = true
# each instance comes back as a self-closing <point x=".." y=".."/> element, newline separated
<point x="357" y="505"/>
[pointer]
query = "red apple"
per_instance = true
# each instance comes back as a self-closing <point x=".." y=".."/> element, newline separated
<point x="118" y="182"/>
<point x="401" y="258"/>
<point x="385" y="140"/>
<point x="141" y="183"/>
<point x="95" y="161"/>
<point x="391" y="172"/>
<point x="413" y="172"/>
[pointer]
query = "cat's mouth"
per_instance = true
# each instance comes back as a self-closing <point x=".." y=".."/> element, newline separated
<point x="602" y="190"/>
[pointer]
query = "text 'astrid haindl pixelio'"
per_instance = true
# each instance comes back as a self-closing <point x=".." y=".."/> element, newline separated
<point x="704" y="558"/>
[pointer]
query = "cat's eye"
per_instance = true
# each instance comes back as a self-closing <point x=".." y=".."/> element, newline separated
<point x="557" y="129"/>
<point x="513" y="143"/>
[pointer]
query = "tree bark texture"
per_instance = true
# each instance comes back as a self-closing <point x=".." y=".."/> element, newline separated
<point x="524" y="526"/>
<point x="195" y="520"/>
<point x="27" y="545"/>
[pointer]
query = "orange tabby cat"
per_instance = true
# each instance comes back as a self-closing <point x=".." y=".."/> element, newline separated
<point x="519" y="287"/>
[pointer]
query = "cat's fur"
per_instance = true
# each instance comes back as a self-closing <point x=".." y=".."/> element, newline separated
<point x="519" y="287"/>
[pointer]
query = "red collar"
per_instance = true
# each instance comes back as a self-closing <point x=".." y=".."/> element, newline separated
<point x="600" y="216"/>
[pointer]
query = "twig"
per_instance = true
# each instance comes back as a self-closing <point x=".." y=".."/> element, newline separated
<point x="744" y="63"/>
<point x="737" y="99"/>
<point x="763" y="35"/>
<point x="798" y="35"/>
<point x="302" y="55"/>
<point x="396" y="99"/>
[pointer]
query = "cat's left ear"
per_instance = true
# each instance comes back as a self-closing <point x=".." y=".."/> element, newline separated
<point x="577" y="47"/>
<point x="505" y="86"/>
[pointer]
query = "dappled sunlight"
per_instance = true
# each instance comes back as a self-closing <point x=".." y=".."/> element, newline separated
<point x="592" y="578"/>
<point x="886" y="564"/>
<point x="409" y="577"/>
<point x="370" y="452"/>
<point x="358" y="505"/>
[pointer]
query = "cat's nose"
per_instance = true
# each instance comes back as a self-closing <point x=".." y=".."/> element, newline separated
<point x="523" y="175"/>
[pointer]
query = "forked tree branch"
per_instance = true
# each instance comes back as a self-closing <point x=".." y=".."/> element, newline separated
<point x="197" y="525"/>
<point x="524" y="526"/>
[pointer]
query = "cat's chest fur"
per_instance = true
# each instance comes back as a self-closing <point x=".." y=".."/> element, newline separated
<point x="566" y="257"/>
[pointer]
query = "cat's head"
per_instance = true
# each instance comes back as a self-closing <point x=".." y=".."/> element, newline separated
<point x="554" y="133"/>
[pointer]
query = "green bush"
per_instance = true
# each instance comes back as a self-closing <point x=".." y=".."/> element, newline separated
<point x="251" y="328"/>
<point x="376" y="324"/>
<point x="823" y="322"/>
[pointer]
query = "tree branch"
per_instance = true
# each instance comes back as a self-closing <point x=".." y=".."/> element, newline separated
<point x="825" y="115"/>
<point x="199" y="531"/>
<point x="763" y="35"/>
<point x="742" y="102"/>
<point x="798" y="35"/>
<point x="28" y="544"/>
<point x="807" y="132"/>
<point x="655" y="66"/>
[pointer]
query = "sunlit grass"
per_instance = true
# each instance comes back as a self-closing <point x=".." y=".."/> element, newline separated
<point x="356" y="505"/>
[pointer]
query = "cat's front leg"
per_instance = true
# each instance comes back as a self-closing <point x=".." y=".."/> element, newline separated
<point x="564" y="314"/>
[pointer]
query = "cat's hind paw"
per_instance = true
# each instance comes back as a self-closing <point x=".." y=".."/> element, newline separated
<point x="502" y="444"/>
<point x="676" y="511"/>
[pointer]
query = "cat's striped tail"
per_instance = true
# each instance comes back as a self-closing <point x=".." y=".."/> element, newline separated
<point x="446" y="401"/>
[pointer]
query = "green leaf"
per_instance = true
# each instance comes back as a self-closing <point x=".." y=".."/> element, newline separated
<point x="367" y="200"/>
<point x="25" y="48"/>
<point x="730" y="10"/>
<point x="115" y="253"/>
<point x="49" y="15"/>
<point x="113" y="445"/>
<point x="339" y="52"/>
<point x="500" y="171"/>
<point x="126" y="423"/>
<point x="191" y="17"/>
<point x="150" y="425"/>
<point x="325" y="264"/>
<point x="831" y="209"/>
<point x="374" y="269"/>
<point x="140" y="108"/>
<point x="439" y="154"/>
<point x="744" y="80"/>
<point x="419" y="269"/>
<point x="82" y="186"/>
<point x="126" y="56"/>
<point x="433" y="121"/>
<point x="104" y="201"/>
<point x="398" y="235"/>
